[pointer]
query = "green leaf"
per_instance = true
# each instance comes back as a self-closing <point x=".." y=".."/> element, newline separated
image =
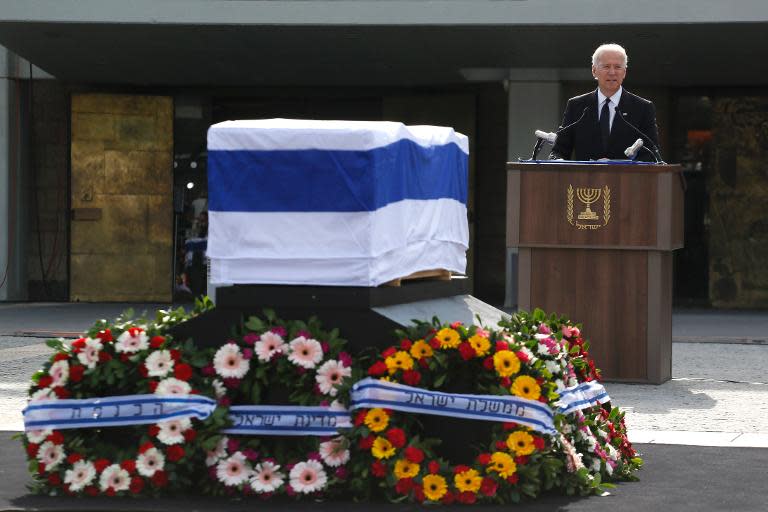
<point x="255" y="324"/>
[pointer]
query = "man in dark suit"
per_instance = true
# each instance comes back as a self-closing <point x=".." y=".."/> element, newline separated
<point x="602" y="117"/>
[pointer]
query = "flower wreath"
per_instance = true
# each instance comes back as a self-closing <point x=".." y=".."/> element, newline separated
<point x="126" y="357"/>
<point x="528" y="358"/>
<point x="287" y="363"/>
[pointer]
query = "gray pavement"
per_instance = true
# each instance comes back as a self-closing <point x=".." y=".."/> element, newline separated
<point x="718" y="395"/>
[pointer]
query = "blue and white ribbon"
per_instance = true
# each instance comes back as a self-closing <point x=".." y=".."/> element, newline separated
<point x="287" y="420"/>
<point x="586" y="394"/>
<point x="389" y="395"/>
<point x="114" y="411"/>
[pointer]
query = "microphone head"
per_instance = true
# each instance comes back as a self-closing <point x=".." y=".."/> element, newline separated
<point x="547" y="136"/>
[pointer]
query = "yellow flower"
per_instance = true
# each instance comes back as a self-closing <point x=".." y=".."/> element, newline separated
<point x="506" y="363"/>
<point x="503" y="464"/>
<point x="481" y="344"/>
<point x="449" y="338"/>
<point x="526" y="387"/>
<point x="469" y="480"/>
<point x="382" y="448"/>
<point x="434" y="487"/>
<point x="400" y="360"/>
<point x="521" y="443"/>
<point x="406" y="469"/>
<point x="377" y="419"/>
<point x="421" y="349"/>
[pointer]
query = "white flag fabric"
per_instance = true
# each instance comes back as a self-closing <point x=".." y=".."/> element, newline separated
<point x="345" y="203"/>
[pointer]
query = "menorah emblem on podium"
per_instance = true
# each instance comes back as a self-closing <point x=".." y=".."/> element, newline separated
<point x="588" y="196"/>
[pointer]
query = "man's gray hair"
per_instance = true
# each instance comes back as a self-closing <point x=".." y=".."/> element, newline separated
<point x="609" y="47"/>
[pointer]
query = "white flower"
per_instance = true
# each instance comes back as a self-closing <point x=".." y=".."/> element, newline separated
<point x="218" y="388"/>
<point x="305" y="352"/>
<point x="132" y="340"/>
<point x="307" y="477"/>
<point x="172" y="432"/>
<point x="330" y="375"/>
<point x="531" y="357"/>
<point x="334" y="452"/>
<point x="59" y="372"/>
<point x="172" y="386"/>
<point x="267" y="478"/>
<point x="542" y="349"/>
<point x="150" y="462"/>
<point x="159" y="363"/>
<point x="89" y="355"/>
<point x="43" y="394"/>
<point x="37" y="436"/>
<point x="114" y="477"/>
<point x="595" y="465"/>
<point x="213" y="456"/>
<point x="270" y="344"/>
<point x="540" y="336"/>
<point x="553" y="367"/>
<point x="50" y="454"/>
<point x="81" y="474"/>
<point x="233" y="470"/>
<point x="230" y="363"/>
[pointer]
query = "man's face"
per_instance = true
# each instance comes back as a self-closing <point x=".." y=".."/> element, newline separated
<point x="609" y="72"/>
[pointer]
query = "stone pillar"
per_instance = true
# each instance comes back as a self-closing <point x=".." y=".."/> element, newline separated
<point x="534" y="104"/>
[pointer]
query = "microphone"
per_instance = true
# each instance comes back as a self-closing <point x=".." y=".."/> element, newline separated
<point x="653" y="149"/>
<point x="632" y="150"/>
<point x="541" y="138"/>
<point x="563" y="129"/>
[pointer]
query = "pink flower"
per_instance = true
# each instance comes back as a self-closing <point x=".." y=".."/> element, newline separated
<point x="250" y="338"/>
<point x="247" y="353"/>
<point x="269" y="345"/>
<point x="330" y="375"/>
<point x="233" y="445"/>
<point x="305" y="352"/>
<point x="279" y="330"/>
<point x="345" y="359"/>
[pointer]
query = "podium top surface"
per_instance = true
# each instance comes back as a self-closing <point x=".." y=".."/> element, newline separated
<point x="594" y="165"/>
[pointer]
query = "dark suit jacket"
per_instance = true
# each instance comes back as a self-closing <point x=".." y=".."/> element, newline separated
<point x="584" y="142"/>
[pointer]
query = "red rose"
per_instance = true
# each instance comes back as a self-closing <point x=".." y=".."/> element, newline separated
<point x="414" y="454"/>
<point x="522" y="460"/>
<point x="62" y="392"/>
<point x="55" y="437"/>
<point x="175" y="354"/>
<point x="175" y="453"/>
<point x="156" y="341"/>
<point x="434" y="343"/>
<point x="509" y="425"/>
<point x="501" y="445"/>
<point x="45" y="381"/>
<point x="105" y="336"/>
<point x="92" y="490"/>
<point x="160" y="479"/>
<point x="522" y="356"/>
<point x="396" y="436"/>
<point x="146" y="446"/>
<point x="76" y="372"/>
<point x="389" y="352"/>
<point x="32" y="449"/>
<point x="379" y="469"/>
<point x="137" y="484"/>
<point x="501" y="345"/>
<point x="41" y="468"/>
<point x="447" y="498"/>
<point x="182" y="371"/>
<point x="513" y="479"/>
<point x="367" y="442"/>
<point x="78" y="345"/>
<point x="143" y="370"/>
<point x="456" y="325"/>
<point x="411" y="377"/>
<point x="484" y="458"/>
<point x="152" y="386"/>
<point x="378" y="368"/>
<point x="61" y="356"/>
<point x="466" y="351"/>
<point x="466" y="497"/>
<point x="434" y="467"/>
<point x="543" y="399"/>
<point x="54" y="479"/>
<point x="190" y="435"/>
<point x="488" y="363"/>
<point x="153" y="430"/>
<point x="125" y="357"/>
<point x="489" y="486"/>
<point x="360" y="417"/>
<point x="129" y="465"/>
<point x="460" y="469"/>
<point x="110" y="491"/>
<point x="538" y="442"/>
<point x="418" y="493"/>
<point x="404" y="486"/>
<point x="104" y="356"/>
<point x="74" y="457"/>
<point x="101" y="464"/>
<point x="406" y="344"/>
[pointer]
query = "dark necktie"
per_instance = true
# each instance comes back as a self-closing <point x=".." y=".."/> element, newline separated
<point x="605" y="124"/>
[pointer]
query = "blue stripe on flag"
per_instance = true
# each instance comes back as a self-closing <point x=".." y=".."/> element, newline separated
<point x="334" y="180"/>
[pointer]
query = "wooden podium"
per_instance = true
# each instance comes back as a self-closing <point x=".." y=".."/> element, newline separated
<point x="595" y="243"/>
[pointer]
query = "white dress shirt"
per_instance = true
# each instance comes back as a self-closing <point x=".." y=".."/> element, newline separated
<point x="612" y="107"/>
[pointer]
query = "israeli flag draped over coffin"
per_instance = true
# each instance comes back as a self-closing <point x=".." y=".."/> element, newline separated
<point x="344" y="203"/>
